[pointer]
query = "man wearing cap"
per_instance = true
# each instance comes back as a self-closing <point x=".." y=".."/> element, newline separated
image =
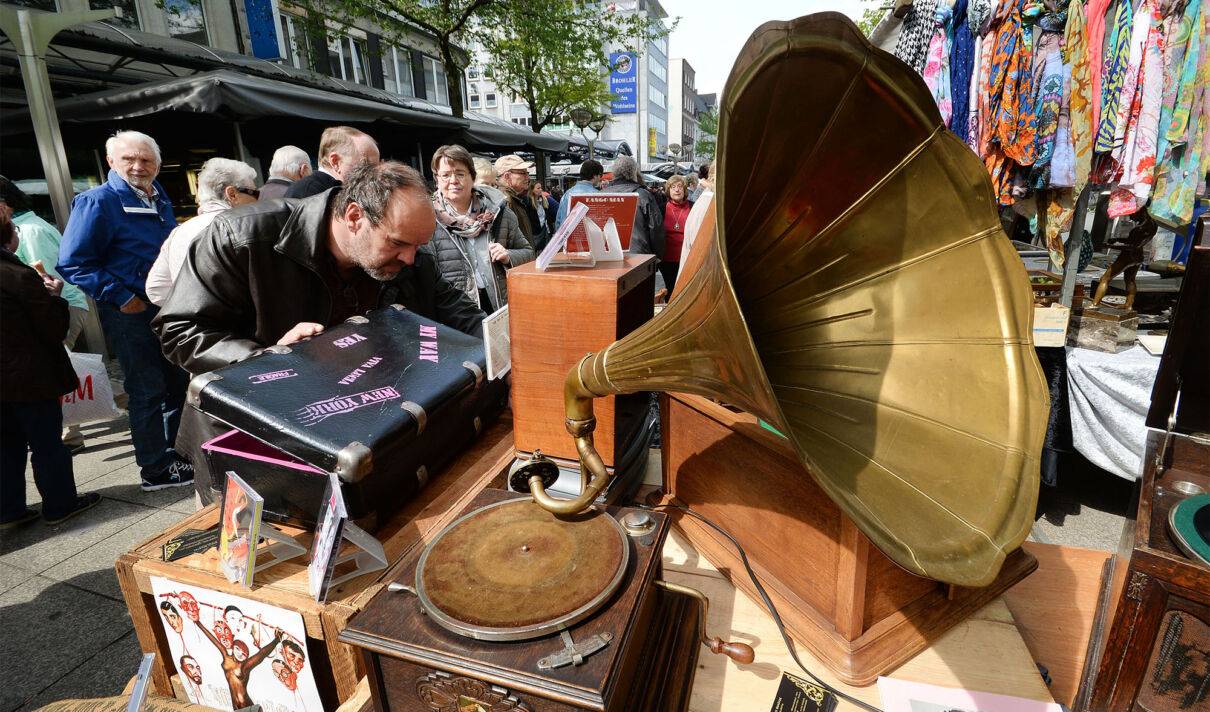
<point x="512" y="176"/>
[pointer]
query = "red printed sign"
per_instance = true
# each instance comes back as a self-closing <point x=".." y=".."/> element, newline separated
<point x="602" y="206"/>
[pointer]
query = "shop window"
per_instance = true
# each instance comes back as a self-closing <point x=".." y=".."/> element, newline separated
<point x="186" y="21"/>
<point x="130" y="12"/>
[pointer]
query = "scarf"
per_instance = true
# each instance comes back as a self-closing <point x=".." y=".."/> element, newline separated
<point x="1048" y="78"/>
<point x="913" y="44"/>
<point x="1094" y="34"/>
<point x="962" y="65"/>
<point x="1117" y="63"/>
<point x="1137" y="153"/>
<point x="936" y="68"/>
<point x="1182" y="151"/>
<point x="468" y="226"/>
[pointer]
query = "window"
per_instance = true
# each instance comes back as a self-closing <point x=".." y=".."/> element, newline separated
<point x="186" y="20"/>
<point x="661" y="44"/>
<point x="397" y="71"/>
<point x="435" y="88"/>
<point x="658" y="69"/>
<point x="657" y="123"/>
<point x="347" y="56"/>
<point x="293" y="41"/>
<point x="475" y="102"/>
<point x="489" y="100"/>
<point x="657" y="97"/>
<point x="45" y="5"/>
<point x="521" y="121"/>
<point x="472" y="72"/>
<point x="130" y="12"/>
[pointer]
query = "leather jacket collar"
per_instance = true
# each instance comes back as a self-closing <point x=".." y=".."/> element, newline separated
<point x="304" y="238"/>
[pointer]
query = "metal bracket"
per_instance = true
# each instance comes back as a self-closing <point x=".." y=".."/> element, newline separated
<point x="573" y="653"/>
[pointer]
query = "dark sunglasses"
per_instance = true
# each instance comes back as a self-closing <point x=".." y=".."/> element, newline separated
<point x="249" y="191"/>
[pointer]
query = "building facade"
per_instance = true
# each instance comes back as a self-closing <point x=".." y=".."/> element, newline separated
<point x="641" y="119"/>
<point x="682" y="107"/>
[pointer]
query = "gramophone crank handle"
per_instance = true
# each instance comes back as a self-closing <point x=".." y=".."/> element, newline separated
<point x="741" y="653"/>
<point x="577" y="399"/>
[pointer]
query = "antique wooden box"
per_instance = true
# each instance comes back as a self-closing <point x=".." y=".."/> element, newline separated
<point x="647" y="664"/>
<point x="856" y="611"/>
<point x="383" y="400"/>
<point x="337" y="666"/>
<point x="557" y="317"/>
<point x="1155" y="652"/>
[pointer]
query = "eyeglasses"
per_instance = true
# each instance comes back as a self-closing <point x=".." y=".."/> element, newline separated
<point x="249" y="191"/>
<point x="456" y="175"/>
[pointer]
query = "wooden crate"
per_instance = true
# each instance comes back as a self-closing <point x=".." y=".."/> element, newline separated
<point x="555" y="318"/>
<point x="336" y="666"/>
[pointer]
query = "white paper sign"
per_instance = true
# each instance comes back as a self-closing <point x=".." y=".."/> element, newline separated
<point x="497" y="345"/>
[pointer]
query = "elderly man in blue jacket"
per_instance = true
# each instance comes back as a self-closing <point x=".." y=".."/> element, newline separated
<point x="113" y="237"/>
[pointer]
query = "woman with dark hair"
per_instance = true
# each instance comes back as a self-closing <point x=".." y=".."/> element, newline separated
<point x="34" y="371"/>
<point x="477" y="236"/>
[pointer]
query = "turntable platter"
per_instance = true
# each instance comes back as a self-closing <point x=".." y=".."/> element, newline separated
<point x="512" y="570"/>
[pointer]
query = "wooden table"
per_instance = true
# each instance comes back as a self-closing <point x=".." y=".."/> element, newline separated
<point x="285" y="586"/>
<point x="985" y="652"/>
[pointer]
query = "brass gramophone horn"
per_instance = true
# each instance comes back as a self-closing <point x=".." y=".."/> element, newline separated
<point x="858" y="294"/>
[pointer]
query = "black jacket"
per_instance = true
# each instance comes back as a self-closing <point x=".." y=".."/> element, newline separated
<point x="647" y="235"/>
<point x="274" y="188"/>
<point x="313" y="184"/>
<point x="255" y="273"/>
<point x="34" y="366"/>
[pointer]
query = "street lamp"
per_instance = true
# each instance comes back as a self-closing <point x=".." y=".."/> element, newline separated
<point x="586" y="119"/>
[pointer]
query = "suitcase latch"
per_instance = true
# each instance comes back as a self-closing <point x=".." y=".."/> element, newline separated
<point x="416" y="412"/>
<point x="475" y="371"/>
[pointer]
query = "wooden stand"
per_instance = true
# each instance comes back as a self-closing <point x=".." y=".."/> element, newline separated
<point x="647" y="665"/>
<point x="555" y="318"/>
<point x="337" y="668"/>
<point x="849" y="604"/>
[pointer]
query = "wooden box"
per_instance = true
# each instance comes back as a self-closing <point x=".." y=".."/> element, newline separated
<point x="336" y="666"/>
<point x="1155" y="654"/>
<point x="855" y="610"/>
<point x="556" y="318"/>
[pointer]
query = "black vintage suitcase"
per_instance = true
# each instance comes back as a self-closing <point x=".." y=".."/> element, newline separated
<point x="383" y="400"/>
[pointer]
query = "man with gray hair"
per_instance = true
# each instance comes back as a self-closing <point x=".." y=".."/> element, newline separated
<point x="222" y="184"/>
<point x="341" y="148"/>
<point x="647" y="235"/>
<point x="290" y="163"/>
<point x="305" y="265"/>
<point x="113" y="237"/>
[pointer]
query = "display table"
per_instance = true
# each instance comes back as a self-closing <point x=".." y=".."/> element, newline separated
<point x="1108" y="396"/>
<point x="985" y="652"/>
<point x="285" y="586"/>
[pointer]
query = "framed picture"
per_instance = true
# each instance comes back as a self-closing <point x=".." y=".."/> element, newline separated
<point x="232" y="652"/>
<point x="240" y="531"/>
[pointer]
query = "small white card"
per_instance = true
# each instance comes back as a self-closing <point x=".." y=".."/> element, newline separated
<point x="497" y="345"/>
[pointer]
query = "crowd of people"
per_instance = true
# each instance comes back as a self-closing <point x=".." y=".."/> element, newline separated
<point x="257" y="267"/>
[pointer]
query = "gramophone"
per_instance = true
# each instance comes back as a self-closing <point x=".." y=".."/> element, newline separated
<point x="858" y="294"/>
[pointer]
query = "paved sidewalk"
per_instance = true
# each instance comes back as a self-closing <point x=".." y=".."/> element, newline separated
<point x="65" y="629"/>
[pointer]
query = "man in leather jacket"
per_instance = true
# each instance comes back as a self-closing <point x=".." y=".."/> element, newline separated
<point x="278" y="272"/>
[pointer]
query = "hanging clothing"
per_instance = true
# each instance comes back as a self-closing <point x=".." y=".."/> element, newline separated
<point x="1117" y="63"/>
<point x="978" y="96"/>
<point x="1137" y="154"/>
<point x="962" y="65"/>
<point x="1094" y="32"/>
<point x="913" y="44"/>
<point x="1079" y="95"/>
<point x="1184" y="156"/>
<point x="936" y="67"/>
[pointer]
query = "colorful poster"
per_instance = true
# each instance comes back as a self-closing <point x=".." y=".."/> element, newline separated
<point x="240" y="532"/>
<point x="232" y="652"/>
<point x="623" y="82"/>
<point x="620" y="207"/>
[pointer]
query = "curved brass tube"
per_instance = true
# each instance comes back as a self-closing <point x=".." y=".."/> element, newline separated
<point x="577" y="400"/>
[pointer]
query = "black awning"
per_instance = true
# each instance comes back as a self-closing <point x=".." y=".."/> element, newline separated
<point x="237" y="97"/>
<point x="489" y="131"/>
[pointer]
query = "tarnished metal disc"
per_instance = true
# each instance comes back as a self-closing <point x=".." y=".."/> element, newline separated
<point x="512" y="570"/>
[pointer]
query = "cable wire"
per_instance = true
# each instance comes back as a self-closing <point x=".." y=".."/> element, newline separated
<point x="760" y="589"/>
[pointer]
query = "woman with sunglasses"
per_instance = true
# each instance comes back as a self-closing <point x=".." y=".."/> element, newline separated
<point x="222" y="184"/>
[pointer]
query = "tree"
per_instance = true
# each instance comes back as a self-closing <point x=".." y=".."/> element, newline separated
<point x="870" y="16"/>
<point x="707" y="124"/>
<point x="449" y="21"/>
<point x="555" y="54"/>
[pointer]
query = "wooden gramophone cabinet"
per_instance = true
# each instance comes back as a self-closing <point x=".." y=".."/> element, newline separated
<point x="851" y="606"/>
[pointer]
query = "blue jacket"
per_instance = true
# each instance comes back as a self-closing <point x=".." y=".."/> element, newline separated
<point x="584" y="186"/>
<point x="112" y="239"/>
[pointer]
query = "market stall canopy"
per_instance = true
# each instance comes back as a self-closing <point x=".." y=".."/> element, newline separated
<point x="484" y="130"/>
<point x="236" y="96"/>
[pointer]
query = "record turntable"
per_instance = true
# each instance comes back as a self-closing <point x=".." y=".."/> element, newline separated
<point x="514" y="608"/>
